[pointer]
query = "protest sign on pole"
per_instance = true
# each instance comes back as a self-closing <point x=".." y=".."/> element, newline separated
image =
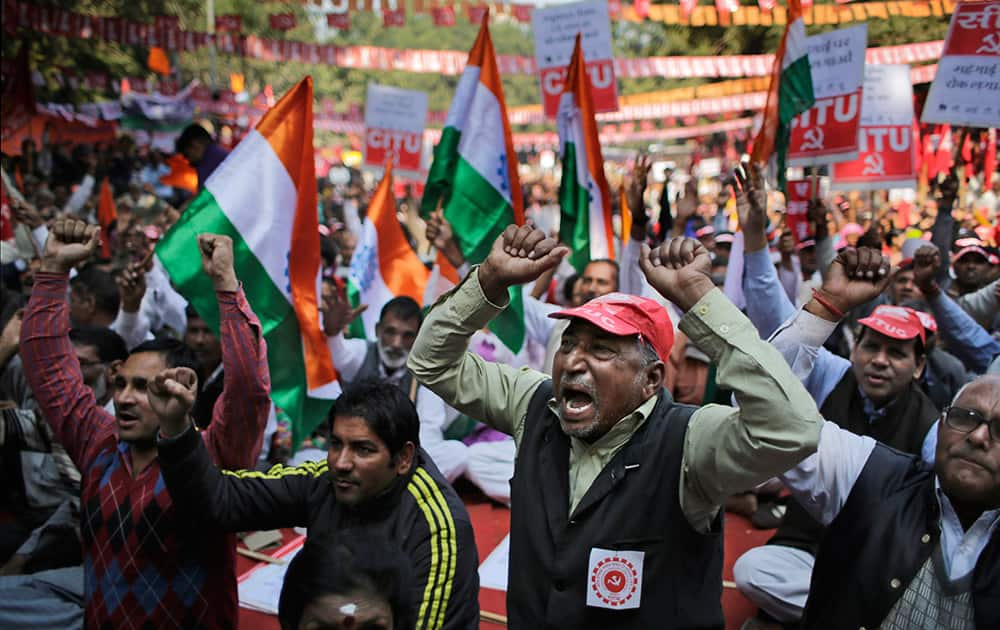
<point x="394" y="121"/>
<point x="966" y="89"/>
<point x="886" y="158"/>
<point x="555" y="31"/>
<point x="828" y="131"/>
<point x="797" y="208"/>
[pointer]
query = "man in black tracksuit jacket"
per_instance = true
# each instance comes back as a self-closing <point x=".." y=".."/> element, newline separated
<point x="408" y="500"/>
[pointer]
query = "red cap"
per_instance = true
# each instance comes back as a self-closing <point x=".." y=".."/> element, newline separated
<point x="624" y="314"/>
<point x="928" y="321"/>
<point x="898" y="322"/>
<point x="972" y="249"/>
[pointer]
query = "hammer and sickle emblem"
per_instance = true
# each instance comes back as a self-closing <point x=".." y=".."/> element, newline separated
<point x="874" y="165"/>
<point x="813" y="139"/>
<point x="990" y="45"/>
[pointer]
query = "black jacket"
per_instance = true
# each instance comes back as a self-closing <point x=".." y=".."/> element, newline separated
<point x="886" y="531"/>
<point x="633" y="505"/>
<point x="420" y="511"/>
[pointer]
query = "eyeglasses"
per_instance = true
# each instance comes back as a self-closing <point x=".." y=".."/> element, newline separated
<point x="967" y="421"/>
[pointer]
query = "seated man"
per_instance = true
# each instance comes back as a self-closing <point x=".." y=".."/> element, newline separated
<point x="617" y="489"/>
<point x="376" y="478"/>
<point x="143" y="565"/>
<point x="906" y="545"/>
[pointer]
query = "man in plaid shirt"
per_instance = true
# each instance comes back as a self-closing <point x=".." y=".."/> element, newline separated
<point x="143" y="566"/>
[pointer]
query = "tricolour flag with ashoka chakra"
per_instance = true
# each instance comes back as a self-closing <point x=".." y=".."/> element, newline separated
<point x="584" y="196"/>
<point x="263" y="196"/>
<point x="474" y="173"/>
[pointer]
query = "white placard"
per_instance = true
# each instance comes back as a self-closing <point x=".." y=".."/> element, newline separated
<point x="394" y="120"/>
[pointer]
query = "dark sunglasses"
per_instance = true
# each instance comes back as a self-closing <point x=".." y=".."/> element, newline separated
<point x="967" y="421"/>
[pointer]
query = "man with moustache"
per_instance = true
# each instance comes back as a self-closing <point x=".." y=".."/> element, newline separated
<point x="615" y="516"/>
<point x="144" y="566"/>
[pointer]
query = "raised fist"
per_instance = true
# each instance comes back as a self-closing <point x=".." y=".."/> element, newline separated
<point x="171" y="396"/>
<point x="751" y="205"/>
<point x="132" y="286"/>
<point x="636" y="189"/>
<point x="926" y="267"/>
<point x="217" y="261"/>
<point x="70" y="243"/>
<point x="856" y="276"/>
<point x="680" y="269"/>
<point x="519" y="255"/>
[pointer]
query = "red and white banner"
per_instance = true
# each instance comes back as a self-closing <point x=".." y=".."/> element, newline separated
<point x="800" y="192"/>
<point x="556" y="29"/>
<point x="966" y="90"/>
<point x="828" y="131"/>
<point x="394" y="122"/>
<point x="282" y="21"/>
<point x="887" y="146"/>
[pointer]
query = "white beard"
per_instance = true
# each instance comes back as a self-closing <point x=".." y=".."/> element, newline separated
<point x="391" y="362"/>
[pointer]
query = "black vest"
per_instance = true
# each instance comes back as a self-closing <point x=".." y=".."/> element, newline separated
<point x="633" y="504"/>
<point x="903" y="427"/>
<point x="878" y="537"/>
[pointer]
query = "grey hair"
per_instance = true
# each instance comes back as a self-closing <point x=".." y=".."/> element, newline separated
<point x="647" y="354"/>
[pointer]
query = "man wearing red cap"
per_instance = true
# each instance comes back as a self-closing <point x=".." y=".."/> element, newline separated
<point x="615" y="517"/>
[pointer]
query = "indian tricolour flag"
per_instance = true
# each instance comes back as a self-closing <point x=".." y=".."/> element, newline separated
<point x="584" y="196"/>
<point x="790" y="93"/>
<point x="384" y="264"/>
<point x="474" y="173"/>
<point x="263" y="196"/>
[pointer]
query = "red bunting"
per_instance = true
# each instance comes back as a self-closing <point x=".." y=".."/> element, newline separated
<point x="476" y="12"/>
<point x="642" y="8"/>
<point x="522" y="12"/>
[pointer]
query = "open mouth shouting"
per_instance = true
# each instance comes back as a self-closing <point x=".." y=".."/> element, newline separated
<point x="576" y="402"/>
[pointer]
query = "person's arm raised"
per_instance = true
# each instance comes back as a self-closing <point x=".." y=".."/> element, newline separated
<point x="50" y="363"/>
<point x="727" y="450"/>
<point x="491" y="392"/>
<point x="235" y="434"/>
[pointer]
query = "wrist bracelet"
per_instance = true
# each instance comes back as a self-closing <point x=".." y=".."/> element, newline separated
<point x="827" y="304"/>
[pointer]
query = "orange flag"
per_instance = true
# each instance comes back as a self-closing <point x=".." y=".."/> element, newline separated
<point x="158" y="61"/>
<point x="107" y="214"/>
<point x="182" y="175"/>
<point x="626" y="215"/>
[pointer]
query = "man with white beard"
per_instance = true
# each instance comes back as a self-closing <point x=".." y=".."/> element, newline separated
<point x="385" y="360"/>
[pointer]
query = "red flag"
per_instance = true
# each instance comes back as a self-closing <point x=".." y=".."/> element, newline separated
<point x="282" y="21"/>
<point x="18" y="103"/>
<point x="443" y="16"/>
<point x="943" y="158"/>
<point x="339" y="21"/>
<point x="106" y="216"/>
<point x="394" y="19"/>
<point x="228" y="23"/>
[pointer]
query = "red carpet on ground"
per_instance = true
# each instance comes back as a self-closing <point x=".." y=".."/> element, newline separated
<point x="492" y="522"/>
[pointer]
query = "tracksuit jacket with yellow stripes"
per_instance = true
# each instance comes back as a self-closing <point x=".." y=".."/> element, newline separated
<point x="421" y="512"/>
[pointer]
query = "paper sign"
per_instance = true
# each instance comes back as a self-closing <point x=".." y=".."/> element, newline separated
<point x="614" y="579"/>
<point x="394" y="121"/>
<point x="966" y="88"/>
<point x="797" y="209"/>
<point x="828" y="131"/>
<point x="886" y="147"/>
<point x="555" y="30"/>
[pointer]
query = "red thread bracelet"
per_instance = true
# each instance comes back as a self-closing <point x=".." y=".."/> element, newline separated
<point x="827" y="304"/>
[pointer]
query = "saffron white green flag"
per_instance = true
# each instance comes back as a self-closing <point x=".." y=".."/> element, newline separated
<point x="263" y="196"/>
<point x="584" y="196"/>
<point x="473" y="178"/>
<point x="790" y="93"/>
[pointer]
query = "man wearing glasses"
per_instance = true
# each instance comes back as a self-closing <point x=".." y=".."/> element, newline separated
<point x="907" y="545"/>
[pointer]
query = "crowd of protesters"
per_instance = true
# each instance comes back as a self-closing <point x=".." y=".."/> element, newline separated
<point x="842" y="388"/>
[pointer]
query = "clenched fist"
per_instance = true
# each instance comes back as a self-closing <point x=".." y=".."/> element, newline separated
<point x="855" y="277"/>
<point x="217" y="261"/>
<point x="519" y="255"/>
<point x="171" y="395"/>
<point x="70" y="243"/>
<point x="680" y="269"/>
